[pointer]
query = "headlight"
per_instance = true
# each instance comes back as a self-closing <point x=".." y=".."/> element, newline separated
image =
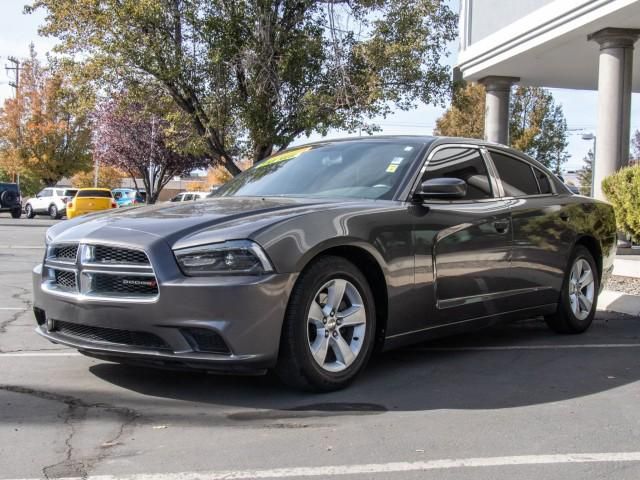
<point x="48" y="238"/>
<point x="233" y="257"/>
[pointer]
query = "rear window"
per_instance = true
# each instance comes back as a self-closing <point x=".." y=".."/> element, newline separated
<point x="94" y="193"/>
<point x="516" y="176"/>
<point x="543" y="182"/>
<point x="9" y="186"/>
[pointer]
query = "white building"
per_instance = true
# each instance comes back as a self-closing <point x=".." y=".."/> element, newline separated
<point x="579" y="44"/>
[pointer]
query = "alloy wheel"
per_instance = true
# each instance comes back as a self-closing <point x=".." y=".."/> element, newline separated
<point x="581" y="289"/>
<point x="336" y="325"/>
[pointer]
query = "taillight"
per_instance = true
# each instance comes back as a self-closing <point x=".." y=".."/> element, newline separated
<point x="114" y="205"/>
<point x="69" y="204"/>
<point x="65" y="200"/>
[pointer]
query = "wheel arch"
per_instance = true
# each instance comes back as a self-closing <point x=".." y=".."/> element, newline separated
<point x="592" y="244"/>
<point x="371" y="267"/>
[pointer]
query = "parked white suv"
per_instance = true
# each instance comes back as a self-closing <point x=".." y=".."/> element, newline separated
<point x="50" y="201"/>
<point x="189" y="196"/>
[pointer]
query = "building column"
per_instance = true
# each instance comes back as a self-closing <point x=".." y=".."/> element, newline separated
<point x="614" y="102"/>
<point x="496" y="115"/>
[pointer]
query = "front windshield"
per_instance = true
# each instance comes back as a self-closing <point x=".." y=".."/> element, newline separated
<point x="353" y="169"/>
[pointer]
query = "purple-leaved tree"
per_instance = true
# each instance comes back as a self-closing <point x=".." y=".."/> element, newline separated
<point x="144" y="144"/>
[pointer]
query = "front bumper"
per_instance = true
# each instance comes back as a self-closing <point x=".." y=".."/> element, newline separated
<point x="245" y="311"/>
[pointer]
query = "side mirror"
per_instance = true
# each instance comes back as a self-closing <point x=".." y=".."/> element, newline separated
<point x="442" y="188"/>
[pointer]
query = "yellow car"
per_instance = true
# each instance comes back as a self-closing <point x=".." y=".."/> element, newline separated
<point x="89" y="200"/>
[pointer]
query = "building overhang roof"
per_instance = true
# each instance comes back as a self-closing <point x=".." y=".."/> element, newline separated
<point x="549" y="47"/>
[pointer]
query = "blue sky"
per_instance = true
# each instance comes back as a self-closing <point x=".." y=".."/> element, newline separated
<point x="580" y="107"/>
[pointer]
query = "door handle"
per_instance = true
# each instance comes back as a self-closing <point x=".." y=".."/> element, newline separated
<point x="501" y="226"/>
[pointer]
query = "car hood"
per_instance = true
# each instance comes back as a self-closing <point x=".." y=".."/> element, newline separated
<point x="210" y="220"/>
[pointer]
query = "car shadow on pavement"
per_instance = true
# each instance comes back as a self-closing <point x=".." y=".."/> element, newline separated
<point x="525" y="364"/>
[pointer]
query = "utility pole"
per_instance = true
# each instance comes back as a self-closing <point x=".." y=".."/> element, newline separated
<point x="16" y="69"/>
<point x="16" y="85"/>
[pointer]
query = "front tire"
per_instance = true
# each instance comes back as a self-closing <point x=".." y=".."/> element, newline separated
<point x="329" y="328"/>
<point x="579" y="295"/>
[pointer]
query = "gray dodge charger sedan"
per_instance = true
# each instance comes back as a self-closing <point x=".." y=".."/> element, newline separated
<point x="321" y="254"/>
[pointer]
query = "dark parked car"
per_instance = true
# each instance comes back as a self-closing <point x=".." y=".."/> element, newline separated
<point x="10" y="200"/>
<point x="315" y="257"/>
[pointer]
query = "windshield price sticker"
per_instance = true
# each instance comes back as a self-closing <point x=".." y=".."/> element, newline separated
<point x="283" y="156"/>
<point x="395" y="163"/>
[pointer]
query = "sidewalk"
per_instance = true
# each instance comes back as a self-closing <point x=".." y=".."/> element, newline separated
<point x="614" y="301"/>
<point x="627" y="266"/>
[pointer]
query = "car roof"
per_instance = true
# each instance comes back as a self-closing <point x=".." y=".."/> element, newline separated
<point x="433" y="140"/>
<point x="92" y="188"/>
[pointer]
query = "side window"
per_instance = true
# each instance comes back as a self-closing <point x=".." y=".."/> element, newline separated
<point x="463" y="163"/>
<point x="177" y="198"/>
<point x="187" y="197"/>
<point x="516" y="176"/>
<point x="543" y="182"/>
<point x="47" y="192"/>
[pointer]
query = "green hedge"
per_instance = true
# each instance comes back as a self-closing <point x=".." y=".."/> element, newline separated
<point x="623" y="191"/>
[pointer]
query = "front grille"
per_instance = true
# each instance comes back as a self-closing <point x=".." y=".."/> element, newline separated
<point x="65" y="280"/>
<point x="116" y="255"/>
<point x="112" y="335"/>
<point x="205" y="340"/>
<point x="110" y="284"/>
<point x="105" y="271"/>
<point x="65" y="253"/>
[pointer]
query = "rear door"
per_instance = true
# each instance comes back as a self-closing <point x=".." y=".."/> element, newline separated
<point x="464" y="243"/>
<point x="541" y="238"/>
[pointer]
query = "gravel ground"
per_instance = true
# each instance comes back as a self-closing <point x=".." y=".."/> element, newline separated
<point x="628" y="285"/>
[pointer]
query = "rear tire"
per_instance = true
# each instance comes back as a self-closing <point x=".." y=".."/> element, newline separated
<point x="329" y="327"/>
<point x="53" y="213"/>
<point x="28" y="210"/>
<point x="16" y="212"/>
<point x="579" y="295"/>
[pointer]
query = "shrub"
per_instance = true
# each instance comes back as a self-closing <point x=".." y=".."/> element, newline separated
<point x="623" y="191"/>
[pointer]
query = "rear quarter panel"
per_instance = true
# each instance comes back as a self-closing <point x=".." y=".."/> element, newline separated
<point x="593" y="218"/>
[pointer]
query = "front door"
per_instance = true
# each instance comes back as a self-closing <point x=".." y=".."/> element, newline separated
<point x="465" y="243"/>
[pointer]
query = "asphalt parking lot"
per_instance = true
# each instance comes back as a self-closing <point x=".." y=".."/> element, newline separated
<point x="513" y="402"/>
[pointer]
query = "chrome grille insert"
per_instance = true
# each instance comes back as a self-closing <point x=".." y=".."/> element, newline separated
<point x="63" y="253"/>
<point x="124" y="284"/>
<point x="121" y="256"/>
<point x="100" y="272"/>
<point x="66" y="280"/>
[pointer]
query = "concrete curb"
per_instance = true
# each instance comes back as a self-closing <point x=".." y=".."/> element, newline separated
<point x="627" y="267"/>
<point x="611" y="301"/>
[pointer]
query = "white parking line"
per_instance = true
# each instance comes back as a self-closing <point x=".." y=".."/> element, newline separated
<point x="13" y="308"/>
<point x="40" y="354"/>
<point x="381" y="468"/>
<point x="525" y="347"/>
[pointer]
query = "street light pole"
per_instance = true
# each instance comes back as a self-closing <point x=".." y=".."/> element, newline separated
<point x="591" y="136"/>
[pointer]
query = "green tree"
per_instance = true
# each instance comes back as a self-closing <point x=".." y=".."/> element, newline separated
<point x="586" y="173"/>
<point x="253" y="75"/>
<point x="634" y="154"/>
<point x="44" y="131"/>
<point x="465" y="117"/>
<point x="537" y="125"/>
